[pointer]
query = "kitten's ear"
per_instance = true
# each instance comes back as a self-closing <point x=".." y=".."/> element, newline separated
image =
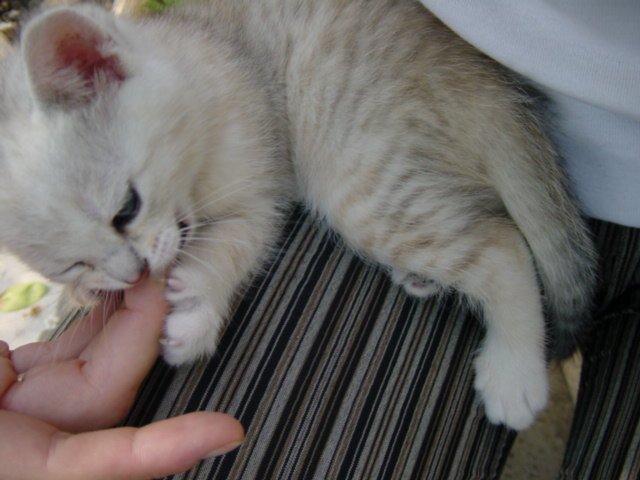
<point x="67" y="59"/>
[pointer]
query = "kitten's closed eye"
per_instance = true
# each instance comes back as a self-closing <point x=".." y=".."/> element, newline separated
<point x="71" y="272"/>
<point x="128" y="212"/>
<point x="74" y="267"/>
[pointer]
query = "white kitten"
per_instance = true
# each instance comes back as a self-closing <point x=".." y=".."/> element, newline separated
<point x="174" y="144"/>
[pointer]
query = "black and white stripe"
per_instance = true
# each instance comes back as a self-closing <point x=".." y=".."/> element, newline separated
<point x="605" y="437"/>
<point x="336" y="373"/>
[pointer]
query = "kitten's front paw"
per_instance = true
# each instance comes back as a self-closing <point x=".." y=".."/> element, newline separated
<point x="513" y="386"/>
<point x="190" y="335"/>
<point x="193" y="327"/>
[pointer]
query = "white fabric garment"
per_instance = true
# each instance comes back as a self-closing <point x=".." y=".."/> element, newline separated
<point x="586" y="55"/>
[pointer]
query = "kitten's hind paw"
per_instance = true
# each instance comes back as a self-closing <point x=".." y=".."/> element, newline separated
<point x="414" y="284"/>
<point x="513" y="387"/>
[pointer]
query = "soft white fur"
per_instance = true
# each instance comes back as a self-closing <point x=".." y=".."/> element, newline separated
<point x="70" y="172"/>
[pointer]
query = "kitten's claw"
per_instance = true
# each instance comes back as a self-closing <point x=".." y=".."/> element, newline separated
<point x="169" y="342"/>
<point x="175" y="284"/>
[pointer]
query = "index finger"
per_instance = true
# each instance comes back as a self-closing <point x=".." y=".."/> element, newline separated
<point x="34" y="449"/>
<point x="117" y="361"/>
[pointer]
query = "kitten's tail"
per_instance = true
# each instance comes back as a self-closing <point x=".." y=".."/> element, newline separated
<point x="534" y="191"/>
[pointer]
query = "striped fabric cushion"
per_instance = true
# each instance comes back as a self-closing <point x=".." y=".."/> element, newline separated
<point x="336" y="373"/>
<point x="605" y="436"/>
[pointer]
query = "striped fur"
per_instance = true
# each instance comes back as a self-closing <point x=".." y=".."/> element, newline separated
<point x="424" y="155"/>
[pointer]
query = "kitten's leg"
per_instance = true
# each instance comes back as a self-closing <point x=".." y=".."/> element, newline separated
<point x="492" y="265"/>
<point x="200" y="289"/>
<point x="511" y="373"/>
<point x="496" y="271"/>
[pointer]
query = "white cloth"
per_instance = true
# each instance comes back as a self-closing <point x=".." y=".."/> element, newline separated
<point x="586" y="55"/>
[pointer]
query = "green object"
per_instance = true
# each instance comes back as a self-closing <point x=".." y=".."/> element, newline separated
<point x="158" y="5"/>
<point x="21" y="296"/>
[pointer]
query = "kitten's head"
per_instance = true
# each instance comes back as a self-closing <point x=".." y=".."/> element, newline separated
<point x="91" y="189"/>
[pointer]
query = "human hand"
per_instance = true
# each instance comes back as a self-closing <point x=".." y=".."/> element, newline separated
<point x="87" y="380"/>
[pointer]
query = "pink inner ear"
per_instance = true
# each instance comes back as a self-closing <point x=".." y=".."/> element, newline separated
<point x="83" y="55"/>
<point x="66" y="60"/>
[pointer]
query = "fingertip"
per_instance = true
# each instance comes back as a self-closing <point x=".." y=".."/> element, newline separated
<point x="225" y="433"/>
<point x="232" y="427"/>
<point x="179" y="443"/>
<point x="217" y="428"/>
<point x="221" y="433"/>
<point x="224" y="449"/>
<point x="146" y="293"/>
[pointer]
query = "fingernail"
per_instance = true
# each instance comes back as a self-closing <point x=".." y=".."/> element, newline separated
<point x="225" y="449"/>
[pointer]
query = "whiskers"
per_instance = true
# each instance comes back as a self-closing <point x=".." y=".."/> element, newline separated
<point x="201" y="208"/>
<point x="203" y="239"/>
<point x="208" y="266"/>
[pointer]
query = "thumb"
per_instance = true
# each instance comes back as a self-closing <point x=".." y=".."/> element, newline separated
<point x="156" y="450"/>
